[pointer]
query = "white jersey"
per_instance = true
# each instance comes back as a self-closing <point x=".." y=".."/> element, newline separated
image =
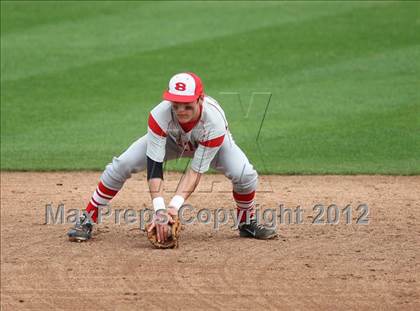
<point x="204" y="140"/>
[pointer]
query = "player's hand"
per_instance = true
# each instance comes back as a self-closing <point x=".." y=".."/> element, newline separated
<point x="161" y="220"/>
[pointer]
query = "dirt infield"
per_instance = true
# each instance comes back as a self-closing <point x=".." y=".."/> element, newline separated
<point x="311" y="266"/>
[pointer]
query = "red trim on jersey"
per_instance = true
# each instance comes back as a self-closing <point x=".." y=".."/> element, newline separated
<point x="106" y="190"/>
<point x="154" y="126"/>
<point x="244" y="197"/>
<point x="215" y="142"/>
<point x="188" y="126"/>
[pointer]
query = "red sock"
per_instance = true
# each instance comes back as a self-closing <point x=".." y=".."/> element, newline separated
<point x="245" y="205"/>
<point x="100" y="197"/>
<point x="93" y="211"/>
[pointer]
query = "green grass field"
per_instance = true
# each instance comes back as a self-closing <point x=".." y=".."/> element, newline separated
<point x="79" y="78"/>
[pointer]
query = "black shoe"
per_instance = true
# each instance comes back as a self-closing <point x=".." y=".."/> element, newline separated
<point x="82" y="231"/>
<point x="256" y="231"/>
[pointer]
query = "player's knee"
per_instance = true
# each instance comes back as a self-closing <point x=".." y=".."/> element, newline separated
<point x="118" y="171"/>
<point x="246" y="181"/>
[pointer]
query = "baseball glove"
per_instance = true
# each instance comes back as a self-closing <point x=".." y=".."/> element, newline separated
<point x="173" y="235"/>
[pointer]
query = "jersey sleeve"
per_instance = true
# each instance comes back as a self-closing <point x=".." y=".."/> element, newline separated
<point x="208" y="146"/>
<point x="157" y="132"/>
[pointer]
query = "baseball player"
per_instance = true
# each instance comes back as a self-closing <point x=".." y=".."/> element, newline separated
<point x="187" y="123"/>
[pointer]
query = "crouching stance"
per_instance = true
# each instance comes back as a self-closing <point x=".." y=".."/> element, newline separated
<point x="187" y="123"/>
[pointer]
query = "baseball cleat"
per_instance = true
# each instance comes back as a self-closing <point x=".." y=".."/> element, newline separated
<point x="82" y="231"/>
<point x="256" y="231"/>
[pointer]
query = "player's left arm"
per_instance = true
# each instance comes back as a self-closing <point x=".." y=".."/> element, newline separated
<point x="186" y="187"/>
<point x="188" y="183"/>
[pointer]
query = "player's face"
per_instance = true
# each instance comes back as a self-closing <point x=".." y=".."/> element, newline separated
<point x="186" y="112"/>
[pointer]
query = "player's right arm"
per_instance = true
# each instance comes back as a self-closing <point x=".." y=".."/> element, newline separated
<point x="158" y="121"/>
<point x="156" y="144"/>
<point x="156" y="141"/>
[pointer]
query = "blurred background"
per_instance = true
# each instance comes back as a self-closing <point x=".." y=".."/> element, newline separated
<point x="307" y="87"/>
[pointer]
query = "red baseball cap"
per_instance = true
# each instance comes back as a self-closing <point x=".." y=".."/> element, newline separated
<point x="184" y="87"/>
